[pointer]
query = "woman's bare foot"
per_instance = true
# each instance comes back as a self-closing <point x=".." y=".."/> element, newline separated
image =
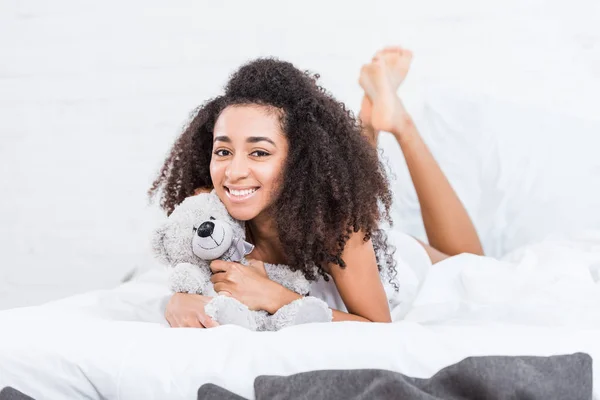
<point x="397" y="60"/>
<point x="386" y="106"/>
<point x="382" y="78"/>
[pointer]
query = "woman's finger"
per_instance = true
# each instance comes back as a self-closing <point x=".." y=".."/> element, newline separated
<point x="222" y="288"/>
<point x="207" y="321"/>
<point x="219" y="277"/>
<point x="171" y="321"/>
<point x="219" y="266"/>
<point x="175" y="322"/>
<point x="190" y="321"/>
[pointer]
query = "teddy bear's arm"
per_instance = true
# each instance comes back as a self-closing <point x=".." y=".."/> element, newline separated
<point x="190" y="278"/>
<point x="293" y="280"/>
<point x="302" y="311"/>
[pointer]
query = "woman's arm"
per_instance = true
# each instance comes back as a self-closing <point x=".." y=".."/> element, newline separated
<point x="286" y="296"/>
<point x="447" y="224"/>
<point x="184" y="310"/>
<point x="359" y="285"/>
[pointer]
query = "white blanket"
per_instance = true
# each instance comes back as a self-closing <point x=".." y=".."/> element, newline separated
<point x="540" y="300"/>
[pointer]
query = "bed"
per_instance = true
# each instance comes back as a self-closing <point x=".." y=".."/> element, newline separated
<point x="534" y="198"/>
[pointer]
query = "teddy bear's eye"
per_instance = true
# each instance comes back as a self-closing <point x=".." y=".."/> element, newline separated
<point x="212" y="218"/>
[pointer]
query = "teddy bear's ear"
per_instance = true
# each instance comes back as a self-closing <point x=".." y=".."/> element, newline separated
<point x="158" y="243"/>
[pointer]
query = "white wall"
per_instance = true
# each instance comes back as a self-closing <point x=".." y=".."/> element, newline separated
<point x="92" y="95"/>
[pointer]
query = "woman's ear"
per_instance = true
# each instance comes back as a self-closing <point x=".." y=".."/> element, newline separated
<point x="158" y="243"/>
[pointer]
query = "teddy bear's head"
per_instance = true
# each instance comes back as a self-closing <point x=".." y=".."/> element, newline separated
<point x="200" y="229"/>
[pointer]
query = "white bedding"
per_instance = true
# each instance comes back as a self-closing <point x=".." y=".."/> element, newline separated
<point x="523" y="173"/>
<point x="541" y="300"/>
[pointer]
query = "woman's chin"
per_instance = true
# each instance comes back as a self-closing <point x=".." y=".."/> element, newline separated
<point x="242" y="215"/>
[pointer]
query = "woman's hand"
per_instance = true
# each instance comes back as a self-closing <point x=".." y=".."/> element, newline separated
<point x="186" y="310"/>
<point x="249" y="284"/>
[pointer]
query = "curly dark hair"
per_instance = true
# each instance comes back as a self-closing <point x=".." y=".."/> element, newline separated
<point x="333" y="183"/>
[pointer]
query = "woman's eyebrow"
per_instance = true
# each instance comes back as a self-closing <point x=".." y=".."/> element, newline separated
<point x="222" y="139"/>
<point x="251" y="139"/>
<point x="256" y="139"/>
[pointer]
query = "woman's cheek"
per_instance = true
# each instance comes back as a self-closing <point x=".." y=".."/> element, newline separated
<point x="216" y="173"/>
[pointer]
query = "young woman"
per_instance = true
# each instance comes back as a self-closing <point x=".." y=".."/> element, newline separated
<point x="288" y="159"/>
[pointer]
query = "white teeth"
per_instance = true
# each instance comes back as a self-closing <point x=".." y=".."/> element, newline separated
<point x="242" y="193"/>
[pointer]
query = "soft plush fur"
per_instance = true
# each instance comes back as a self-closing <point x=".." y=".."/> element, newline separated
<point x="201" y="230"/>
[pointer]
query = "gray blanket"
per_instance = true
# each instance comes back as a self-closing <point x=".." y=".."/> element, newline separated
<point x="9" y="393"/>
<point x="566" y="377"/>
<point x="493" y="377"/>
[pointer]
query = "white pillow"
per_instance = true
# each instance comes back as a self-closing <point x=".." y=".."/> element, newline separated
<point x="523" y="173"/>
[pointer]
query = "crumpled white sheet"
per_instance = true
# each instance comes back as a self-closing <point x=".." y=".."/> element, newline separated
<point x="552" y="283"/>
<point x="543" y="299"/>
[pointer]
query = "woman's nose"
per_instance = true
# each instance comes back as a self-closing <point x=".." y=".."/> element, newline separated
<point x="237" y="168"/>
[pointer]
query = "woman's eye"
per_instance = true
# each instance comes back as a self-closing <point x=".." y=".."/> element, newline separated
<point x="222" y="153"/>
<point x="259" y="153"/>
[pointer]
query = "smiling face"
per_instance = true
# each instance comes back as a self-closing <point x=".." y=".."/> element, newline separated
<point x="249" y="152"/>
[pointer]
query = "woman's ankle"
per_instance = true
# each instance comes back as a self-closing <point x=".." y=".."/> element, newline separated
<point x="369" y="132"/>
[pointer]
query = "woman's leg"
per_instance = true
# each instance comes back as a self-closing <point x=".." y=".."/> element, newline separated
<point x="448" y="226"/>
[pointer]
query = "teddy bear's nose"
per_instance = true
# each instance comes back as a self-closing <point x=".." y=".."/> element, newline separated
<point x="206" y="229"/>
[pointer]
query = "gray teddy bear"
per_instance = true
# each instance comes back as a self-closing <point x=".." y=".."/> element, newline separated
<point x="200" y="230"/>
